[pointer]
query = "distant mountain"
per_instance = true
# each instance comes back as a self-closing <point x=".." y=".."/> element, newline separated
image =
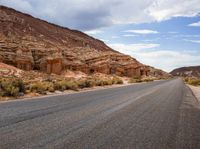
<point x="29" y="43"/>
<point x="193" y="71"/>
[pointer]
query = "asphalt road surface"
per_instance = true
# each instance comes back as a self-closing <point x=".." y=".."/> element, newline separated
<point x="156" y="115"/>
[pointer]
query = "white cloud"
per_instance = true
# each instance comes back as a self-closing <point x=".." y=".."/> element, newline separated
<point x="165" y="9"/>
<point x="104" y="40"/>
<point x="129" y="35"/>
<point x="151" y="40"/>
<point x="115" y="37"/>
<point x="163" y="59"/>
<point x="87" y="14"/>
<point x="194" y="41"/>
<point x="196" y="24"/>
<point x="22" y="5"/>
<point x="186" y="36"/>
<point x="144" y="31"/>
<point x="93" y="32"/>
<point x="133" y="47"/>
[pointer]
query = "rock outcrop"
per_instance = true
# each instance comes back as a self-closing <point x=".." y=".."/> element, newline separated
<point x="7" y="70"/>
<point x="192" y="71"/>
<point x="33" y="44"/>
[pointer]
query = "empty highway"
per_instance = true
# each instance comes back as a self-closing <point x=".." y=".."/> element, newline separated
<point x="155" y="115"/>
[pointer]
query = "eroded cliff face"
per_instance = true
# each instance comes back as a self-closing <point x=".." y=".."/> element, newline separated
<point x="191" y="71"/>
<point x="32" y="44"/>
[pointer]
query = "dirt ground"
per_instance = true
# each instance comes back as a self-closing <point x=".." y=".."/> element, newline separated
<point x="196" y="91"/>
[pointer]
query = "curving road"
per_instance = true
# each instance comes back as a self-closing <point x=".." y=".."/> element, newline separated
<point x="156" y="115"/>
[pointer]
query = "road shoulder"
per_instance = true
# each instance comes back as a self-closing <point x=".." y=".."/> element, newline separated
<point x="196" y="91"/>
<point x="67" y="92"/>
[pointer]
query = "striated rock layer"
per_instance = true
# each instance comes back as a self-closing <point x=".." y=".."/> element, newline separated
<point x="192" y="71"/>
<point x="29" y="43"/>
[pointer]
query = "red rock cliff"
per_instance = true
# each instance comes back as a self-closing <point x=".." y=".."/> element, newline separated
<point x="30" y="43"/>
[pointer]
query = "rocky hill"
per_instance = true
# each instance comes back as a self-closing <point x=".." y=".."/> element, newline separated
<point x="29" y="43"/>
<point x="7" y="70"/>
<point x="193" y="71"/>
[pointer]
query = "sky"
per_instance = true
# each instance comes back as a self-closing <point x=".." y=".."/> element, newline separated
<point x="161" y="33"/>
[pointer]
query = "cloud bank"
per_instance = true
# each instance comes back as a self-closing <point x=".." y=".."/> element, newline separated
<point x="88" y="15"/>
<point x="196" y="24"/>
<point x="164" y="59"/>
<point x="145" y="31"/>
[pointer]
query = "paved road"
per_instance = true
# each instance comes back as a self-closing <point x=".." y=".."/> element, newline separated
<point x="156" y="115"/>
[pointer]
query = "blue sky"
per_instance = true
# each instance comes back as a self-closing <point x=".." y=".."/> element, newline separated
<point x="161" y="33"/>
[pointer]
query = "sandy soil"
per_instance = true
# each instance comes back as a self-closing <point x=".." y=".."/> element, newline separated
<point x="196" y="91"/>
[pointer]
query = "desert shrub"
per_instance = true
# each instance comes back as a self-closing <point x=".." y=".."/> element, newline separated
<point x="51" y="88"/>
<point x="186" y="79"/>
<point x="11" y="86"/>
<point x="91" y="82"/>
<point x="86" y="83"/>
<point x="132" y="80"/>
<point x="71" y="85"/>
<point x="99" y="82"/>
<point x="60" y="85"/>
<point x="10" y="90"/>
<point x="66" y="85"/>
<point x="135" y="79"/>
<point x="147" y="80"/>
<point x="117" y="80"/>
<point x="42" y="87"/>
<point x="38" y="87"/>
<point x="48" y="79"/>
<point x="193" y="81"/>
<point x="107" y="82"/>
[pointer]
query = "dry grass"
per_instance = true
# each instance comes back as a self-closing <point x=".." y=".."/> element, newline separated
<point x="137" y="79"/>
<point x="12" y="87"/>
<point x="192" y="81"/>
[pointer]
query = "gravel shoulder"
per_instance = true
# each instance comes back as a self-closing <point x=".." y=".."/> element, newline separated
<point x="196" y="91"/>
<point x="67" y="92"/>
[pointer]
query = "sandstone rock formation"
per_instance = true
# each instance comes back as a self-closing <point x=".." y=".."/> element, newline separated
<point x="192" y="71"/>
<point x="33" y="44"/>
<point x="7" y="70"/>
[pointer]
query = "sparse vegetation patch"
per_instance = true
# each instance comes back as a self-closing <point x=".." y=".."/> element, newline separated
<point x="13" y="87"/>
<point x="192" y="81"/>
